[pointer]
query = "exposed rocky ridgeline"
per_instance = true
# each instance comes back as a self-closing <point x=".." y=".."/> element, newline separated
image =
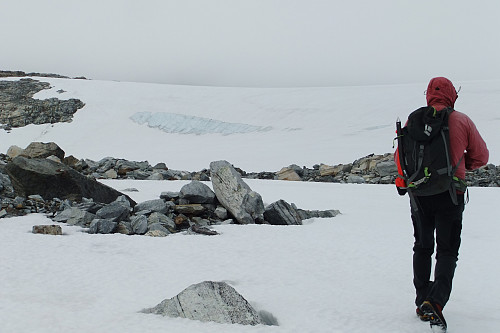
<point x="24" y="74"/>
<point x="35" y="180"/>
<point x="18" y="108"/>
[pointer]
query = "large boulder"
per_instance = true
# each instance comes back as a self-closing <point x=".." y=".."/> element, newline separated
<point x="55" y="180"/>
<point x="235" y="195"/>
<point x="209" y="301"/>
<point x="43" y="150"/>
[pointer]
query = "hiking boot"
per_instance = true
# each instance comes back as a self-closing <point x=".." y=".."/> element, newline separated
<point x="434" y="311"/>
<point x="422" y="316"/>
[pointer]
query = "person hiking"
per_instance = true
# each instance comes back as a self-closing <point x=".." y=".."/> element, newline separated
<point x="441" y="213"/>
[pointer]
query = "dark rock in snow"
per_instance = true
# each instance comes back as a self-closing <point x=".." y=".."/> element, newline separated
<point x="282" y="213"/>
<point x="55" y="180"/>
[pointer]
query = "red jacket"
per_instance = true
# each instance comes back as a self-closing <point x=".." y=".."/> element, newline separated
<point x="465" y="140"/>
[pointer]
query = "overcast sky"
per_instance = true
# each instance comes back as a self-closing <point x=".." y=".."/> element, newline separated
<point x="254" y="42"/>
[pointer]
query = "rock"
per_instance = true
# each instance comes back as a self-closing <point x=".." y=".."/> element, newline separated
<point x="115" y="211"/>
<point x="3" y="213"/>
<point x="190" y="209"/>
<point x="309" y="214"/>
<point x="163" y="220"/>
<point x="282" y="213"/>
<point x="102" y="226"/>
<point x="203" y="230"/>
<point x="288" y="174"/>
<point x="43" y="150"/>
<point x="6" y="188"/>
<point x="54" y="180"/>
<point x="111" y="174"/>
<point x="47" y="229"/>
<point x="197" y="192"/>
<point x="209" y="301"/>
<point x="353" y="179"/>
<point x="139" y="224"/>
<point x="74" y="216"/>
<point x="235" y="195"/>
<point x="156" y="233"/>
<point x="386" y="168"/>
<point x="161" y="166"/>
<point x="14" y="151"/>
<point x="125" y="228"/>
<point x="155" y="205"/>
<point x="221" y="212"/>
<point x="170" y="196"/>
<point x="327" y="170"/>
<point x="158" y="227"/>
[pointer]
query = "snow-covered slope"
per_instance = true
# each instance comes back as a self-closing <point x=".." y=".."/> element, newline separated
<point x="256" y="129"/>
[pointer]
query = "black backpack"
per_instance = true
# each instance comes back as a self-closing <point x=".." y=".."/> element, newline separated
<point x="424" y="148"/>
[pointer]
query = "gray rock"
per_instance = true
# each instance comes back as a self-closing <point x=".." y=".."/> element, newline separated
<point x="235" y="195"/>
<point x="309" y="214"/>
<point x="74" y="216"/>
<point x="139" y="224"/>
<point x="158" y="227"/>
<point x="102" y="226"/>
<point x="125" y="228"/>
<point x="353" y="179"/>
<point x="155" y="205"/>
<point x="197" y="192"/>
<point x="115" y="211"/>
<point x="282" y="213"/>
<point x="209" y="301"/>
<point x="386" y="168"/>
<point x="221" y="212"/>
<point x="170" y="196"/>
<point x="162" y="219"/>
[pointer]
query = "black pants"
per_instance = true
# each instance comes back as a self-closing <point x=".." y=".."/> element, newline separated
<point x="436" y="213"/>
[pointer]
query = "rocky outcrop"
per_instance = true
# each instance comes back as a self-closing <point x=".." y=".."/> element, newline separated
<point x="18" y="108"/>
<point x="235" y="195"/>
<point x="209" y="301"/>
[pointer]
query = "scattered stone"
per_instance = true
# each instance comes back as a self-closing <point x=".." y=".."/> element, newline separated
<point x="288" y="174"/>
<point x="197" y="193"/>
<point x="139" y="224"/>
<point x="203" y="230"/>
<point x="47" y="229"/>
<point x="74" y="216"/>
<point x="190" y="209"/>
<point x="102" y="226"/>
<point x="156" y="233"/>
<point x="155" y="205"/>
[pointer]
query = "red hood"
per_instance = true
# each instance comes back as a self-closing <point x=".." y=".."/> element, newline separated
<point x="441" y="93"/>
